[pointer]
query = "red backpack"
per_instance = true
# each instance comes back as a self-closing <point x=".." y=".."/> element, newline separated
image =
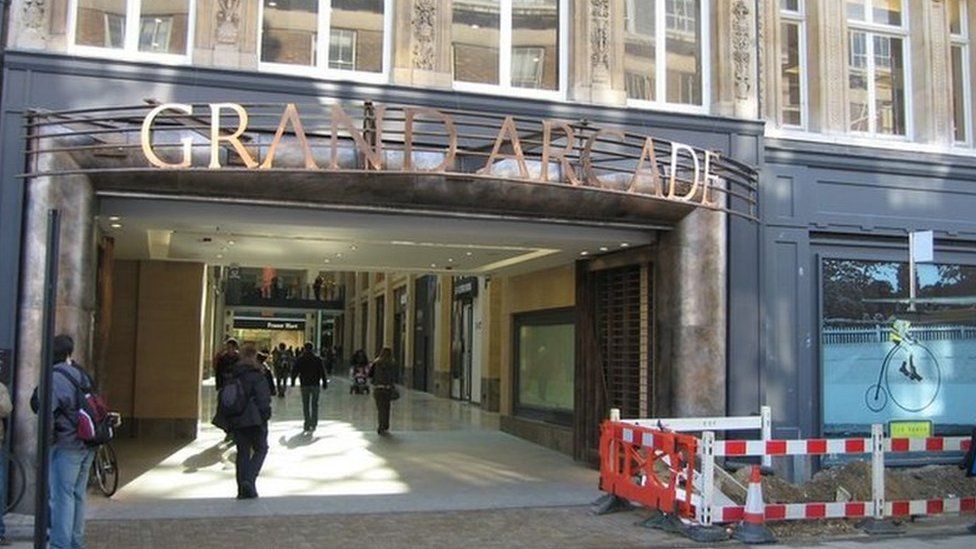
<point x="93" y="424"/>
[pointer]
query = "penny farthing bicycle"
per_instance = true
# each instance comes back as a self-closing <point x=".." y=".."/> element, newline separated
<point x="910" y="376"/>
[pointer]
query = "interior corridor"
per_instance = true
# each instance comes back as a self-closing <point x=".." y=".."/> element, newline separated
<point x="442" y="455"/>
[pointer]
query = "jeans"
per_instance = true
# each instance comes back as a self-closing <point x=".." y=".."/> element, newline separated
<point x="252" y="448"/>
<point x="382" y="397"/>
<point x="69" y="480"/>
<point x="281" y="381"/>
<point x="310" y="406"/>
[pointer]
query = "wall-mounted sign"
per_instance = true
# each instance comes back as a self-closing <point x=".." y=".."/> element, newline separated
<point x="466" y="287"/>
<point x="268" y="324"/>
<point x="415" y="140"/>
<point x="910" y="429"/>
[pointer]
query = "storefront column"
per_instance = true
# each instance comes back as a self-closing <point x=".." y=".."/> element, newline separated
<point x="411" y="327"/>
<point x="75" y="303"/>
<point x="692" y="317"/>
<point x="442" y="337"/>
<point x="389" y="311"/>
<point x="491" y="318"/>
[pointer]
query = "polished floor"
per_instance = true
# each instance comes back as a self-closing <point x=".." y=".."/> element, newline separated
<point x="441" y="455"/>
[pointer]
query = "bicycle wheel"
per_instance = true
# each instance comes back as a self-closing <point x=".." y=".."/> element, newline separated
<point x="106" y="469"/>
<point x="16" y="482"/>
<point x="876" y="398"/>
<point x="914" y="378"/>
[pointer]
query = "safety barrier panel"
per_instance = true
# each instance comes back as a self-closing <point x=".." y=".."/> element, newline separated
<point x="648" y="466"/>
<point x="706" y="512"/>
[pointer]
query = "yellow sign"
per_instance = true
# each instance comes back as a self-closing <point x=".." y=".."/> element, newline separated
<point x="910" y="429"/>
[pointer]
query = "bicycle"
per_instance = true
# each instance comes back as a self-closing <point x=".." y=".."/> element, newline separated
<point x="16" y="481"/>
<point x="104" y="471"/>
<point x="919" y="372"/>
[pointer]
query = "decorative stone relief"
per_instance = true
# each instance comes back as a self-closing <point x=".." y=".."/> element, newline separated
<point x="422" y="25"/>
<point x="33" y="24"/>
<point x="940" y="71"/>
<point x="228" y="21"/>
<point x="762" y="9"/>
<point x="600" y="37"/>
<point x="34" y="12"/>
<point x="741" y="49"/>
<point x="835" y="61"/>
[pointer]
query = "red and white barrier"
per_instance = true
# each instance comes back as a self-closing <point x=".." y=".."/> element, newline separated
<point x="823" y="446"/>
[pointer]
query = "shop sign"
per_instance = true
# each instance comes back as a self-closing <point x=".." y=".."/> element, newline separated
<point x="257" y="324"/>
<point x="466" y="287"/>
<point x="558" y="151"/>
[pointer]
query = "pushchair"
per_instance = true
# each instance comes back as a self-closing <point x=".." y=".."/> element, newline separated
<point x="360" y="381"/>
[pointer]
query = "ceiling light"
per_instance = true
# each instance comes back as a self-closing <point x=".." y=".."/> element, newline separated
<point x="339" y="255"/>
<point x="624" y="245"/>
<point x="604" y="249"/>
<point x="469" y="254"/>
<point x="584" y="253"/>
<point x="450" y="260"/>
<point x="116" y="225"/>
<point x="230" y="242"/>
<point x="353" y="247"/>
<point x="114" y="218"/>
<point x="220" y="256"/>
<point x="327" y="260"/>
<point x="433" y="265"/>
<point x="475" y="26"/>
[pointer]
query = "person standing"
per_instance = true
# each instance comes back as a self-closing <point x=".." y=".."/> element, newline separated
<point x="250" y="428"/>
<point x="311" y="374"/>
<point x="225" y="362"/>
<point x="6" y="407"/>
<point x="383" y="372"/>
<point x="317" y="287"/>
<point x="70" y="458"/>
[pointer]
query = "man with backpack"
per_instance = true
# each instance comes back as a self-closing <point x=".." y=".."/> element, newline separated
<point x="71" y="457"/>
<point x="243" y="409"/>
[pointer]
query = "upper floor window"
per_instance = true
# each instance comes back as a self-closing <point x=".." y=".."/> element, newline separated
<point x="331" y="36"/>
<point x="792" y="63"/>
<point x="961" y="84"/>
<point x="877" y="90"/>
<point x="158" y="28"/>
<point x="515" y="45"/>
<point x="664" y="41"/>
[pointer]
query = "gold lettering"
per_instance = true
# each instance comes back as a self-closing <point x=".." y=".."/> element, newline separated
<point x="508" y="132"/>
<point x="234" y="138"/>
<point x="589" y="173"/>
<point x="710" y="180"/>
<point x="145" y="136"/>
<point x="558" y="154"/>
<point x="372" y="156"/>
<point x="676" y="149"/>
<point x="636" y="182"/>
<point x="290" y="115"/>
<point x="410" y="113"/>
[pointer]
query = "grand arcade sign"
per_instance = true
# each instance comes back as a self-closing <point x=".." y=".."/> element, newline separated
<point x="364" y="154"/>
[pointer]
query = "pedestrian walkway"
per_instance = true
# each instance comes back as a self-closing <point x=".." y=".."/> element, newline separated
<point x="442" y="455"/>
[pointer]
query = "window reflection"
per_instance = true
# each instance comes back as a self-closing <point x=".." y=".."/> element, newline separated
<point x="546" y="362"/>
<point x="356" y="35"/>
<point x="164" y="26"/>
<point x="290" y="32"/>
<point x="958" y="94"/>
<point x="475" y="35"/>
<point x="928" y="374"/>
<point x="676" y="59"/>
<point x="858" y="83"/>
<point x="887" y="12"/>
<point x="790" y="74"/>
<point x="535" y="44"/>
<point x="640" y="53"/>
<point x="889" y="80"/>
<point x="956" y="13"/>
<point x="101" y="23"/>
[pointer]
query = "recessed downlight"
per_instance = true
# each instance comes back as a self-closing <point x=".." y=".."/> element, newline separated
<point x="450" y="260"/>
<point x="354" y="247"/>
<point x="116" y="225"/>
<point x="114" y="218"/>
<point x="230" y="242"/>
<point x="584" y="252"/>
<point x="433" y="265"/>
<point x="220" y="256"/>
<point x="604" y="249"/>
<point x="339" y="255"/>
<point x="469" y="254"/>
<point x="624" y="244"/>
<point x="327" y="260"/>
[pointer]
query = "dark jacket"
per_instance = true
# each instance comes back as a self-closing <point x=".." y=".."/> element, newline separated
<point x="224" y="366"/>
<point x="384" y="372"/>
<point x="310" y="369"/>
<point x="257" y="389"/>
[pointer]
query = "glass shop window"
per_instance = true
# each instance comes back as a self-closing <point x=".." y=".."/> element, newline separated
<point x="545" y="357"/>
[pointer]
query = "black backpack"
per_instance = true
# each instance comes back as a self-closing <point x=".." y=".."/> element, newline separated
<point x="232" y="398"/>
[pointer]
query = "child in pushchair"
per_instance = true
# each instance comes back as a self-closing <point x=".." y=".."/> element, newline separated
<point x="360" y="380"/>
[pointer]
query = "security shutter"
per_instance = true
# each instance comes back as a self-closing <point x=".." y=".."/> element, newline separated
<point x="619" y="334"/>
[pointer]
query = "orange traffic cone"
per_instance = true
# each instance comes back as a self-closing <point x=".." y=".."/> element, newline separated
<point x="753" y="529"/>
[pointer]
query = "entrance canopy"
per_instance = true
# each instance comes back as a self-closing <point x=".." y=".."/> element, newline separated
<point x="393" y="158"/>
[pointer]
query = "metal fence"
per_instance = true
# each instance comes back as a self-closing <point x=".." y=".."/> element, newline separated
<point x="880" y="333"/>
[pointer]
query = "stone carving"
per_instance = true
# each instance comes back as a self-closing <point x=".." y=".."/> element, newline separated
<point x="228" y="21"/>
<point x="741" y="49"/>
<point x="836" y="60"/>
<point x="600" y="36"/>
<point x="940" y="71"/>
<point x="34" y="12"/>
<point x="422" y="25"/>
<point x="762" y="10"/>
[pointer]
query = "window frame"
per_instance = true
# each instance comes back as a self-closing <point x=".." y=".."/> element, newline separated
<point x="543" y="317"/>
<point x="798" y="18"/>
<point x="872" y="30"/>
<point x="660" y="64"/>
<point x="504" y="86"/>
<point x="131" y="31"/>
<point x="962" y="41"/>
<point x="321" y="67"/>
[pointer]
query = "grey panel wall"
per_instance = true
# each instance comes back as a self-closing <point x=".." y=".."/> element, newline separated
<point x="858" y="200"/>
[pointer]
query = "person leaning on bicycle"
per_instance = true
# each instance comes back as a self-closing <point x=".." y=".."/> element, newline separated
<point x="6" y="407"/>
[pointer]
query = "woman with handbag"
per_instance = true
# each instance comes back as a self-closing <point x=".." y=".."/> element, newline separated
<point x="383" y="371"/>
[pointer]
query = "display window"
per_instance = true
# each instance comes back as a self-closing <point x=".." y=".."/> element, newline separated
<point x="545" y="358"/>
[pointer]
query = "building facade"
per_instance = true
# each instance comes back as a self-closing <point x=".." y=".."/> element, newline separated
<point x="854" y="116"/>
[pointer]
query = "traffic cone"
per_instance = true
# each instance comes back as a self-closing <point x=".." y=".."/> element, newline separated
<point x="753" y="529"/>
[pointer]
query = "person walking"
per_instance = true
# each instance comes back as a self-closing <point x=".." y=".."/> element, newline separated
<point x="70" y="457"/>
<point x="6" y="407"/>
<point x="383" y="372"/>
<point x="250" y="428"/>
<point x="311" y="374"/>
<point x="282" y="368"/>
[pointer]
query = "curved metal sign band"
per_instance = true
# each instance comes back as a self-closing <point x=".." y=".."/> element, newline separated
<point x="395" y="139"/>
